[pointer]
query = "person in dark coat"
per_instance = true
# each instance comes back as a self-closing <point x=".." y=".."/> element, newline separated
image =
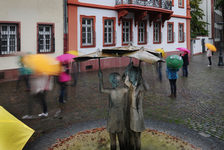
<point x="185" y="64"/>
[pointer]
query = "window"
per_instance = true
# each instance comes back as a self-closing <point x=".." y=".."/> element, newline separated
<point x="170" y="34"/>
<point x="9" y="38"/>
<point x="46" y="38"/>
<point x="87" y="31"/>
<point x="127" y="32"/>
<point x="181" y="32"/>
<point x="157" y="33"/>
<point x="142" y="33"/>
<point x="181" y="3"/>
<point x="109" y="31"/>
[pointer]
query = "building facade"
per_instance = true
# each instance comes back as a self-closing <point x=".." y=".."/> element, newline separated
<point x="213" y="17"/>
<point x="33" y="26"/>
<point x="153" y="24"/>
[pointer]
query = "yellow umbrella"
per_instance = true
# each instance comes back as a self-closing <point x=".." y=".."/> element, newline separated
<point x="210" y="47"/>
<point x="42" y="64"/>
<point x="161" y="51"/>
<point x="13" y="133"/>
<point x="74" y="52"/>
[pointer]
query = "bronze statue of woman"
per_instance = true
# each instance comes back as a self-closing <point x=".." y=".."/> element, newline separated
<point x="134" y="112"/>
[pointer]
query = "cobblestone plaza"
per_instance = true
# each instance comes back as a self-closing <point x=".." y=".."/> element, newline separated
<point x="199" y="105"/>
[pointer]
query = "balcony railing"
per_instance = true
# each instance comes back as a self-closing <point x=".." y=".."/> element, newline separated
<point x="165" y="4"/>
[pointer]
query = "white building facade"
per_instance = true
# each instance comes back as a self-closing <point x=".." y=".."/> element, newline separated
<point x="154" y="24"/>
<point x="33" y="26"/>
<point x="212" y="17"/>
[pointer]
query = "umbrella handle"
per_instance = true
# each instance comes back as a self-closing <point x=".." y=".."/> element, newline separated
<point x="139" y="65"/>
<point x="99" y="64"/>
<point x="130" y="59"/>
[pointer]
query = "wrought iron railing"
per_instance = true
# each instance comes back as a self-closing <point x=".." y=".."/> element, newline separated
<point x="165" y="4"/>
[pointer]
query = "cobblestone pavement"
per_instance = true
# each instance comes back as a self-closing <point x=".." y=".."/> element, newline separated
<point x="199" y="104"/>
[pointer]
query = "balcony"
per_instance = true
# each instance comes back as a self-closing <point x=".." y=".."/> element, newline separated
<point x="164" y="4"/>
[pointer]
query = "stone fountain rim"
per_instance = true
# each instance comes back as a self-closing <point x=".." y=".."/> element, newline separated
<point x="179" y="131"/>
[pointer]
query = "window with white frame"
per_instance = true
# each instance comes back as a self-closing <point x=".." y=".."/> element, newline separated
<point x="141" y="32"/>
<point x="170" y="37"/>
<point x="157" y="33"/>
<point x="126" y="32"/>
<point x="9" y="39"/>
<point x="181" y="32"/>
<point x="87" y="31"/>
<point x="108" y="31"/>
<point x="180" y="3"/>
<point x="45" y="38"/>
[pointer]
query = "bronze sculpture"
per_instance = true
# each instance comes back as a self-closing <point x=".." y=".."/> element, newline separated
<point x="116" y="113"/>
<point x="125" y="119"/>
<point x="134" y="118"/>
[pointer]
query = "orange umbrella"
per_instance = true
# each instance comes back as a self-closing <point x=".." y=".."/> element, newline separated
<point x="210" y="47"/>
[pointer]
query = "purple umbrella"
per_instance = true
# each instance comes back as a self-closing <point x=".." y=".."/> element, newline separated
<point x="184" y="50"/>
<point x="65" y="57"/>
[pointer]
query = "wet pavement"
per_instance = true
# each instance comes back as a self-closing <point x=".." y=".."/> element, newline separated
<point x="199" y="105"/>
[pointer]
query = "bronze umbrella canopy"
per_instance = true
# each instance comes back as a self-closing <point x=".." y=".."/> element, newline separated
<point x="140" y="53"/>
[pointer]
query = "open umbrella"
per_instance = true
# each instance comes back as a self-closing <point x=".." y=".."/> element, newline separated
<point x="73" y="52"/>
<point x="13" y="133"/>
<point x="210" y="47"/>
<point x="161" y="51"/>
<point x="184" y="50"/>
<point x="119" y="51"/>
<point x="94" y="55"/>
<point x="144" y="56"/>
<point x="174" y="62"/>
<point x="65" y="57"/>
<point x="42" y="64"/>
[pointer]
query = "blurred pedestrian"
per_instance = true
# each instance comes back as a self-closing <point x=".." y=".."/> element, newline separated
<point x="172" y="76"/>
<point x="24" y="75"/>
<point x="40" y="84"/>
<point x="209" y="55"/>
<point x="63" y="79"/>
<point x="185" y="64"/>
<point x="159" y="68"/>
<point x="75" y="72"/>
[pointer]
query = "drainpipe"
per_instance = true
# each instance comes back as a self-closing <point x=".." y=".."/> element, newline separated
<point x="65" y="14"/>
<point x="221" y="45"/>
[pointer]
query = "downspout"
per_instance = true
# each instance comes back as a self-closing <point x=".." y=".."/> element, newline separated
<point x="65" y="14"/>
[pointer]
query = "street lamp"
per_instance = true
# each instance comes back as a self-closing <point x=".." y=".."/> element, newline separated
<point x="221" y="46"/>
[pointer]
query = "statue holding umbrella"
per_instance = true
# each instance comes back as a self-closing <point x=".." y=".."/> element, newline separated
<point x="132" y="104"/>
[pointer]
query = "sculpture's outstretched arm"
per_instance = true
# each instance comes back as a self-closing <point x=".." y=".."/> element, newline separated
<point x="101" y="87"/>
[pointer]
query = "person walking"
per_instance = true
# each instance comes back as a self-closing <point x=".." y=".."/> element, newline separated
<point x="159" y="68"/>
<point x="24" y="75"/>
<point x="64" y="77"/>
<point x="172" y="76"/>
<point x="75" y="72"/>
<point x="185" y="64"/>
<point x="40" y="84"/>
<point x="209" y="55"/>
